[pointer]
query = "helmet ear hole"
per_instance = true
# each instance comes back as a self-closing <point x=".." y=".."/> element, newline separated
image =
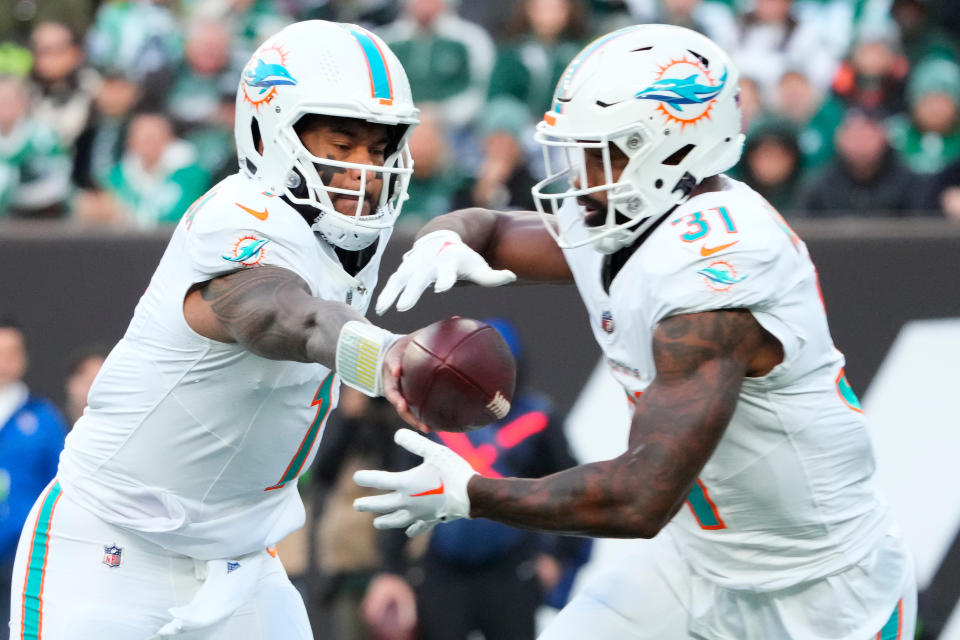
<point x="252" y="166"/>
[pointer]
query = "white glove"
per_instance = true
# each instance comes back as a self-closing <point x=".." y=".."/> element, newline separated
<point x="434" y="491"/>
<point x="441" y="257"/>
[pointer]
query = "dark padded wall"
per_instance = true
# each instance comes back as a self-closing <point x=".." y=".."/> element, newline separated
<point x="71" y="289"/>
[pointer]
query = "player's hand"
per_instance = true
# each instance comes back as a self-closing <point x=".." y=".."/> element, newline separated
<point x="391" y="382"/>
<point x="441" y="257"/>
<point x="434" y="491"/>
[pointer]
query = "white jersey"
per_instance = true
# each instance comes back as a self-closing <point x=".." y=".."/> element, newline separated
<point x="787" y="496"/>
<point x="197" y="444"/>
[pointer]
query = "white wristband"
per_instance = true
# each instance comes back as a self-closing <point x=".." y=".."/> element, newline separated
<point x="361" y="348"/>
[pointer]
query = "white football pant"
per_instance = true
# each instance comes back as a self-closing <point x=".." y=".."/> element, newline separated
<point x="651" y="594"/>
<point x="78" y="578"/>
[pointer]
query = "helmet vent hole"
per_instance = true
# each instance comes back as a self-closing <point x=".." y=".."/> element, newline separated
<point x="677" y="156"/>
<point x="640" y="49"/>
<point x="257" y="138"/>
<point x="658" y="183"/>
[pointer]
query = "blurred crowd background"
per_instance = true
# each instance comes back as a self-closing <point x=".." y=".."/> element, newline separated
<point x="119" y="113"/>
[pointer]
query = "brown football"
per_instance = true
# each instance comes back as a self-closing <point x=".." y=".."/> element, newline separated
<point x="458" y="374"/>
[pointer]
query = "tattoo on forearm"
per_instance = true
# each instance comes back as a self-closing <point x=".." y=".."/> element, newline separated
<point x="701" y="361"/>
<point x="248" y="304"/>
<point x="269" y="310"/>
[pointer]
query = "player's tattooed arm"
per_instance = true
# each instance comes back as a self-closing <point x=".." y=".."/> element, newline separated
<point x="701" y="361"/>
<point x="268" y="310"/>
<point x="515" y="240"/>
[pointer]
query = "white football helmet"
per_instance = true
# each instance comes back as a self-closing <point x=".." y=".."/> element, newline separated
<point x="668" y="98"/>
<point x="329" y="68"/>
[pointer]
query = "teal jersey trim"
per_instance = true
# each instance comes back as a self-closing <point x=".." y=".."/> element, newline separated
<point x="323" y="404"/>
<point x="891" y="630"/>
<point x="703" y="508"/>
<point x="36" y="566"/>
<point x="847" y="394"/>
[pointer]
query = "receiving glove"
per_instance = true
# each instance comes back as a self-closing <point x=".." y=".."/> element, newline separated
<point x="441" y="257"/>
<point x="434" y="491"/>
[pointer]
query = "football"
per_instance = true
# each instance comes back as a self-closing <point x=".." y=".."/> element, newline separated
<point x="458" y="374"/>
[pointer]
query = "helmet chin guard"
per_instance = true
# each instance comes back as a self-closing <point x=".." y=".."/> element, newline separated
<point x="675" y="116"/>
<point x="330" y="69"/>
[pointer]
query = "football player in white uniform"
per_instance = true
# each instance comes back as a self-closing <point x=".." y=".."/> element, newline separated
<point x="182" y="472"/>
<point x="749" y="461"/>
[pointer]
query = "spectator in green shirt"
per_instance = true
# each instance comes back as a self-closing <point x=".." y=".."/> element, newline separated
<point x="208" y="69"/>
<point x="447" y="59"/>
<point x="928" y="137"/>
<point x="214" y="140"/>
<point x="871" y="77"/>
<point x="139" y="36"/>
<point x="772" y="164"/>
<point x="503" y="180"/>
<point x="34" y="171"/>
<point x="545" y="35"/>
<point x="712" y="19"/>
<point x="64" y="85"/>
<point x="158" y="176"/>
<point x="101" y="145"/>
<point x="435" y="177"/>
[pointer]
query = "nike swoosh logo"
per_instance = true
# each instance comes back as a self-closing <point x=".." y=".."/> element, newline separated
<point x="704" y="251"/>
<point x="259" y="215"/>
<point x="432" y="492"/>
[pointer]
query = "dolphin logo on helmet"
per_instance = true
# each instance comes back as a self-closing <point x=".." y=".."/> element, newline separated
<point x="678" y="92"/>
<point x="266" y="75"/>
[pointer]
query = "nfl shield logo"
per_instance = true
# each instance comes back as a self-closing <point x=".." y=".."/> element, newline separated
<point x="606" y="322"/>
<point x="111" y="555"/>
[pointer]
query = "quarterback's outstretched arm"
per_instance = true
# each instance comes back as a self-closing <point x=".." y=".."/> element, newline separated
<point x="269" y="311"/>
<point x="701" y="361"/>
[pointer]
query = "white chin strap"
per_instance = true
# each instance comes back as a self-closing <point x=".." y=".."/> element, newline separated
<point x="624" y="237"/>
<point x="612" y="243"/>
<point x="348" y="235"/>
